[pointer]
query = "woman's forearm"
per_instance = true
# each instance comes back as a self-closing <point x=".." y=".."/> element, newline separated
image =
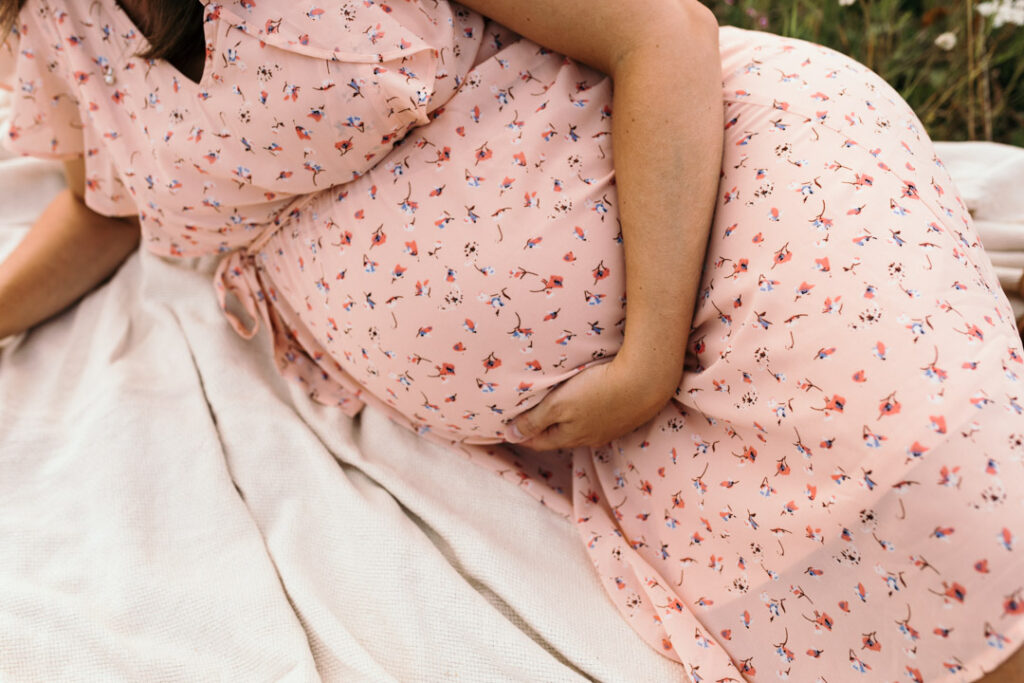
<point x="68" y="252"/>
<point x="667" y="135"/>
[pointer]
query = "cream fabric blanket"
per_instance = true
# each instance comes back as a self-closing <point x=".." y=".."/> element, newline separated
<point x="990" y="177"/>
<point x="171" y="510"/>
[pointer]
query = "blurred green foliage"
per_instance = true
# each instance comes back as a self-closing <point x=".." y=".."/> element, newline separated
<point x="967" y="84"/>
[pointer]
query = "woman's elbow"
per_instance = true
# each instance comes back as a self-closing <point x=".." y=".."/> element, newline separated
<point x="678" y="30"/>
<point x="699" y="22"/>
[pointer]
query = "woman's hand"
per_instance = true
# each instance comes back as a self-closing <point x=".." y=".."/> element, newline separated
<point x="597" y="405"/>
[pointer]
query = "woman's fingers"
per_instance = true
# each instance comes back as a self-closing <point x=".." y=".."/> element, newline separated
<point x="534" y="421"/>
<point x="549" y="439"/>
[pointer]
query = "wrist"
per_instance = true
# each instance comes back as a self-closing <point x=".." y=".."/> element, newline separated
<point x="659" y="373"/>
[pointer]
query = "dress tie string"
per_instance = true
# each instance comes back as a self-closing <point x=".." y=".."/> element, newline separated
<point x="236" y="273"/>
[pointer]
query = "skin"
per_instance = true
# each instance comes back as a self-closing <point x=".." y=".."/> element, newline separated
<point x="67" y="253"/>
<point x="1010" y="671"/>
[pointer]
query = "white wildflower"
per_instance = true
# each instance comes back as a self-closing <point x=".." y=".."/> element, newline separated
<point x="987" y="9"/>
<point x="946" y="41"/>
<point x="846" y="3"/>
<point x="1010" y="14"/>
<point x="1003" y="12"/>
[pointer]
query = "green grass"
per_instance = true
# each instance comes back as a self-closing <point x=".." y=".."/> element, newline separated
<point x="974" y="91"/>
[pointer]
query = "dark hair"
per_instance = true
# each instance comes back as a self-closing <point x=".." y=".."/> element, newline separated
<point x="173" y="28"/>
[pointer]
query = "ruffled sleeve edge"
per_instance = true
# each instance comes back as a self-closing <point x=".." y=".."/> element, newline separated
<point x="318" y="51"/>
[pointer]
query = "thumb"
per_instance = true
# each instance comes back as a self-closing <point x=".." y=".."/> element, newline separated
<point x="532" y="422"/>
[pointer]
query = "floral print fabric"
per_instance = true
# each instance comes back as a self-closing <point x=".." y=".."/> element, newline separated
<point x="421" y="207"/>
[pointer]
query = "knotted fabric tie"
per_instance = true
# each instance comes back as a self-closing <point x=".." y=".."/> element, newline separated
<point x="236" y="273"/>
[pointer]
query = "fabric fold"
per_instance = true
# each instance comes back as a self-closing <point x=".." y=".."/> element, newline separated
<point x="235" y="275"/>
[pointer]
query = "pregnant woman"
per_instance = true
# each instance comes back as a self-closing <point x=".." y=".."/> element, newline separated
<point x="801" y="455"/>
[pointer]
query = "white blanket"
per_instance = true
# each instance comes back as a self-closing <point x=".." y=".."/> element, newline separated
<point x="988" y="176"/>
<point x="172" y="510"/>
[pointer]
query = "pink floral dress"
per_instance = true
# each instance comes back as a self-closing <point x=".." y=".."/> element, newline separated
<point x="421" y="207"/>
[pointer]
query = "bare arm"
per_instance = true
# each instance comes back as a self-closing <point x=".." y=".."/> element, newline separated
<point x="667" y="133"/>
<point x="68" y="252"/>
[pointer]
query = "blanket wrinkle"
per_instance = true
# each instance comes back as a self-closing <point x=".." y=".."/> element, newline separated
<point x="481" y="585"/>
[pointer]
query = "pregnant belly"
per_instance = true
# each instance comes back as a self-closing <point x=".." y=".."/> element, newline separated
<point x="459" y="308"/>
<point x="460" y="327"/>
<point x="480" y="263"/>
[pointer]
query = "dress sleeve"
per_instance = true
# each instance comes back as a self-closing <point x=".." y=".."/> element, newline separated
<point x="391" y="55"/>
<point x="44" y="117"/>
<point x="45" y="120"/>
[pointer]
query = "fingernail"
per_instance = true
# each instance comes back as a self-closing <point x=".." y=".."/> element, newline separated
<point x="514" y="435"/>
